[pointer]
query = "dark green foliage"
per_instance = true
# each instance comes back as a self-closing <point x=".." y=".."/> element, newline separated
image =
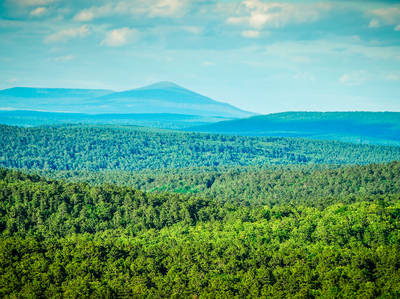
<point x="306" y="185"/>
<point x="63" y="239"/>
<point x="34" y="206"/>
<point x="130" y="148"/>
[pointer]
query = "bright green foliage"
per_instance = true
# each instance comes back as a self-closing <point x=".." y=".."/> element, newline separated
<point x="75" y="240"/>
<point x="130" y="148"/>
<point x="33" y="206"/>
<point x="306" y="185"/>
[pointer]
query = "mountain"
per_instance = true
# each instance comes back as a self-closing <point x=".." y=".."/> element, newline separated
<point x="165" y="97"/>
<point x="357" y="127"/>
<point x="162" y="97"/>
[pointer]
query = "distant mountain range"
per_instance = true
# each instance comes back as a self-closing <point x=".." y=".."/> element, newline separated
<point x="169" y="106"/>
<point x="357" y="127"/>
<point x="162" y="97"/>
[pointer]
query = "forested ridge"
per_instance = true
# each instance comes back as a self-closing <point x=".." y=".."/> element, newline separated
<point x="68" y="239"/>
<point x="309" y="184"/>
<point x="357" y="127"/>
<point x="131" y="148"/>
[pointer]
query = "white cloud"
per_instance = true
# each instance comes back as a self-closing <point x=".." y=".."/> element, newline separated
<point x="354" y="78"/>
<point x="66" y="34"/>
<point x="330" y="47"/>
<point x="374" y="23"/>
<point x="208" y="63"/>
<point x="39" y="11"/>
<point x="301" y="59"/>
<point x="250" y="33"/>
<point x="389" y="15"/>
<point x="63" y="58"/>
<point x="150" y="8"/>
<point x="120" y="37"/>
<point x="32" y="2"/>
<point x="167" y="8"/>
<point x="89" y="14"/>
<point x="386" y="16"/>
<point x="193" y="29"/>
<point x="12" y="80"/>
<point x="304" y="76"/>
<point x="84" y="16"/>
<point x="394" y="76"/>
<point x="258" y="15"/>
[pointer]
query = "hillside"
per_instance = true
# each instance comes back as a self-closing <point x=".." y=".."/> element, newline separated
<point x="165" y="97"/>
<point x="309" y="185"/>
<point x="162" y="97"/>
<point x="73" y="240"/>
<point x="133" y="148"/>
<point x="357" y="127"/>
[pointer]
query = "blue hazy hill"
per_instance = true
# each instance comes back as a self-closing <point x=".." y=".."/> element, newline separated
<point x="162" y="97"/>
<point x="357" y="127"/>
<point x="167" y="97"/>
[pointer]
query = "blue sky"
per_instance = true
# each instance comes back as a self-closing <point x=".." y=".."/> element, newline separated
<point x="263" y="56"/>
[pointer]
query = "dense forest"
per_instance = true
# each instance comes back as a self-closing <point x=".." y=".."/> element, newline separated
<point x="125" y="211"/>
<point x="73" y="239"/>
<point x="132" y="148"/>
<point x="306" y="184"/>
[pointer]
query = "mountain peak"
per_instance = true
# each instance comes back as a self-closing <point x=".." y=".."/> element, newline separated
<point x="161" y="85"/>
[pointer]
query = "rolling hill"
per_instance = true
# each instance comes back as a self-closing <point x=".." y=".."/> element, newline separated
<point x="162" y="97"/>
<point x="357" y="127"/>
<point x="105" y="147"/>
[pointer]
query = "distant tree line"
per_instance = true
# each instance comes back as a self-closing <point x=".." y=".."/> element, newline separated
<point x="309" y="185"/>
<point x="130" y="148"/>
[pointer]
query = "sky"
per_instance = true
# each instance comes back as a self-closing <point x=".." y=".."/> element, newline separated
<point x="261" y="56"/>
